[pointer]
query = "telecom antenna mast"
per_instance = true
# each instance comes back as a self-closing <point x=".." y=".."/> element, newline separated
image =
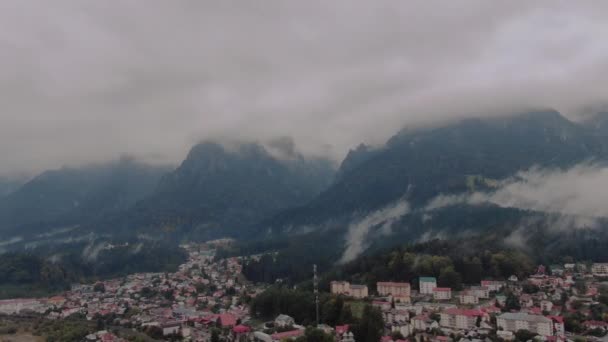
<point x="316" y="285"/>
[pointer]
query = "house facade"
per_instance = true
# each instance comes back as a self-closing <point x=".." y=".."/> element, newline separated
<point x="400" y="290"/>
<point x="493" y="285"/>
<point x="514" y="322"/>
<point x="461" y="319"/>
<point x="468" y="297"/>
<point x="427" y="285"/>
<point x="442" y="293"/>
<point x="348" y="289"/>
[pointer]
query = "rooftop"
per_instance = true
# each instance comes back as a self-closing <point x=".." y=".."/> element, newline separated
<point x="520" y="316"/>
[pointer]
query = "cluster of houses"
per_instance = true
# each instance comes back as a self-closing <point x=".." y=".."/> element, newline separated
<point x="201" y="295"/>
<point x="204" y="296"/>
<point x="482" y="310"/>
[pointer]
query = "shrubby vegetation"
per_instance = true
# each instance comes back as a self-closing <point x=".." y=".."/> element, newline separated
<point x="334" y="310"/>
<point x="454" y="263"/>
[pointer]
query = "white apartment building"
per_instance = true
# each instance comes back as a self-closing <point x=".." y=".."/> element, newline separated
<point x="427" y="284"/>
<point x="442" y="293"/>
<point x="514" y="322"/>
<point x="481" y="292"/>
<point x="461" y="319"/>
<point x="600" y="269"/>
<point x="468" y="297"/>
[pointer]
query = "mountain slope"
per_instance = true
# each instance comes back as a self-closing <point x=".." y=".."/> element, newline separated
<point x="218" y="191"/>
<point x="9" y="185"/>
<point x="417" y="165"/>
<point x="74" y="196"/>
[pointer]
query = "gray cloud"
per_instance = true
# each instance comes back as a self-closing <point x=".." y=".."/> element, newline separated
<point x="84" y="81"/>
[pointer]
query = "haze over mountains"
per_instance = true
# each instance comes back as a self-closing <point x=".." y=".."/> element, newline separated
<point x="404" y="190"/>
<point x="217" y="191"/>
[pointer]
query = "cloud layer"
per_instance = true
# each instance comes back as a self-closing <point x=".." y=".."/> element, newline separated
<point x="576" y="191"/>
<point x="84" y="81"/>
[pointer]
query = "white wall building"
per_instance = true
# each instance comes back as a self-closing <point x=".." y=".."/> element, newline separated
<point x="442" y="293"/>
<point x="468" y="297"/>
<point x="514" y="322"/>
<point x="600" y="269"/>
<point x="461" y="319"/>
<point x="493" y="285"/>
<point x="427" y="284"/>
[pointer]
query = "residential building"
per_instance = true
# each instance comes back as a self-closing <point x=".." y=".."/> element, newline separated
<point x="600" y="269"/>
<point x="393" y="289"/>
<point x="462" y="319"/>
<point x="287" y="335"/>
<point x="13" y="306"/>
<point x="515" y="321"/>
<point x="493" y="285"/>
<point x="395" y="315"/>
<point x="346" y="288"/>
<point x="442" y="293"/>
<point x="358" y="291"/>
<point x="468" y="297"/>
<point x="546" y="306"/>
<point x="558" y="325"/>
<point x="596" y="325"/>
<point x="171" y="328"/>
<point x="382" y="305"/>
<point x="423" y="322"/>
<point x="427" y="284"/>
<point x="340" y="287"/>
<point x="482" y="292"/>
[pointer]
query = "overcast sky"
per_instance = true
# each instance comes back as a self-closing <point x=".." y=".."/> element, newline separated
<point x="85" y="81"/>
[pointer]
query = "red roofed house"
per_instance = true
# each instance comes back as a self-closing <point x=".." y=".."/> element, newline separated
<point x="109" y="337"/>
<point x="241" y="330"/>
<point x="227" y="320"/>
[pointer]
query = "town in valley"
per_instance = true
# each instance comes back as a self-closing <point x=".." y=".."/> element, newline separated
<point x="209" y="299"/>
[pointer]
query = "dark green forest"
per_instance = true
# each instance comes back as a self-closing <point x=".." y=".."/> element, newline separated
<point x="26" y="275"/>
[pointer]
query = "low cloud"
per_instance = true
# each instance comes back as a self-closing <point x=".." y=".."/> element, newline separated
<point x="11" y="241"/>
<point x="357" y="238"/>
<point x="137" y="248"/>
<point x="570" y="197"/>
<point x="92" y="250"/>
